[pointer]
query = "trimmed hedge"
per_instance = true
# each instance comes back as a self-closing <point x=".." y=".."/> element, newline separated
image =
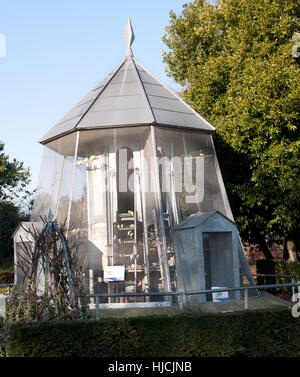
<point x="6" y="277"/>
<point x="277" y="267"/>
<point x="246" y="333"/>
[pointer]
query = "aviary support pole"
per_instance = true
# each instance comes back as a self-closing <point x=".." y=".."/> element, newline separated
<point x="160" y="212"/>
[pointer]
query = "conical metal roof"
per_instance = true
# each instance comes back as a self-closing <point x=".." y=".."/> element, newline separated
<point x="128" y="96"/>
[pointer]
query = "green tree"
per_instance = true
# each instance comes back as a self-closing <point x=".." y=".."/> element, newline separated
<point x="9" y="220"/>
<point x="13" y="177"/>
<point x="13" y="181"/>
<point x="235" y="63"/>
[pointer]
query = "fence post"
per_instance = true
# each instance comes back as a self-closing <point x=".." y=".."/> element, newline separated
<point x="246" y="299"/>
<point x="91" y="283"/>
<point x="97" y="306"/>
<point x="293" y="291"/>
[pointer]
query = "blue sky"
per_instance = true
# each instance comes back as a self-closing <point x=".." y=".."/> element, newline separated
<point x="56" y="51"/>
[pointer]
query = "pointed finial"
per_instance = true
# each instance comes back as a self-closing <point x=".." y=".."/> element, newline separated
<point x="50" y="215"/>
<point x="129" y="37"/>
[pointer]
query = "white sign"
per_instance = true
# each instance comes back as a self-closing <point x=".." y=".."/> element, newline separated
<point x="130" y="288"/>
<point x="114" y="273"/>
<point x="220" y="296"/>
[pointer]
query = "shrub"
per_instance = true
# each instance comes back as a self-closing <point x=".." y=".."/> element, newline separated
<point x="271" y="333"/>
<point x="7" y="264"/>
<point x="6" y="277"/>
<point x="277" y="267"/>
<point x="57" y="257"/>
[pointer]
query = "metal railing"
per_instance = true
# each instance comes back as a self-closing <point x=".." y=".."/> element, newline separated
<point x="136" y="294"/>
<point x="181" y="295"/>
<point x="280" y="276"/>
<point x="246" y="290"/>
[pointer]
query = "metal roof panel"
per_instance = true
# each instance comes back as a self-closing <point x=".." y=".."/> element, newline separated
<point x="116" y="117"/>
<point x="128" y="95"/>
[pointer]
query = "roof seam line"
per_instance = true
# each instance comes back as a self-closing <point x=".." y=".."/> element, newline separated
<point x="179" y="98"/>
<point x="142" y="85"/>
<point x="104" y="86"/>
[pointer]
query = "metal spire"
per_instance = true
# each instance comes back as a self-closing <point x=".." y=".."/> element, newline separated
<point x="129" y="37"/>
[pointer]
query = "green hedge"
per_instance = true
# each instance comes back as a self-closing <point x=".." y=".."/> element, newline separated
<point x="245" y="333"/>
<point x="277" y="267"/>
<point x="6" y="277"/>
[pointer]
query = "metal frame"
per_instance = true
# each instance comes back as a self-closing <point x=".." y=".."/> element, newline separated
<point x="73" y="178"/>
<point x="165" y="271"/>
<point x="182" y="294"/>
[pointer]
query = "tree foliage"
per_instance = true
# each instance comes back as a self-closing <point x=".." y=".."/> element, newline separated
<point x="13" y="177"/>
<point x="234" y="60"/>
<point x="13" y="181"/>
<point x="9" y="220"/>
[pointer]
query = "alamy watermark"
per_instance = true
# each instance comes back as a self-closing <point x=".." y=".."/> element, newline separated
<point x="179" y="174"/>
<point x="2" y="46"/>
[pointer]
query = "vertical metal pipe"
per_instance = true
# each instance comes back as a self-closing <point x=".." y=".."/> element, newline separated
<point x="111" y="208"/>
<point x="108" y="223"/>
<point x="97" y="306"/>
<point x="246" y="299"/>
<point x="88" y="203"/>
<point x="91" y="283"/>
<point x="145" y="237"/>
<point x="59" y="188"/>
<point x="107" y="200"/>
<point x="293" y="291"/>
<point x="72" y="183"/>
<point x="173" y="197"/>
<point x="135" y="241"/>
<point x="160" y="209"/>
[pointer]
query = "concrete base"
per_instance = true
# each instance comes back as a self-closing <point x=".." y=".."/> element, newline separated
<point x="265" y="301"/>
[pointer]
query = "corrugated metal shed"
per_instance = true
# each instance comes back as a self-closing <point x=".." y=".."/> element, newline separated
<point x="128" y="96"/>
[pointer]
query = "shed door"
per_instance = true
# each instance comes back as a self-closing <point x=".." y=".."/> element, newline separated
<point x="218" y="260"/>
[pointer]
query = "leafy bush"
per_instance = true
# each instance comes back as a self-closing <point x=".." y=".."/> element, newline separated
<point x="27" y="307"/>
<point x="7" y="264"/>
<point x="6" y="277"/>
<point x="271" y="333"/>
<point x="9" y="220"/>
<point x="61" y="294"/>
<point x="2" y="338"/>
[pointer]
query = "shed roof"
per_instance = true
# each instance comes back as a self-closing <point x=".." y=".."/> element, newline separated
<point x="128" y="96"/>
<point x="27" y="225"/>
<point x="199" y="218"/>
